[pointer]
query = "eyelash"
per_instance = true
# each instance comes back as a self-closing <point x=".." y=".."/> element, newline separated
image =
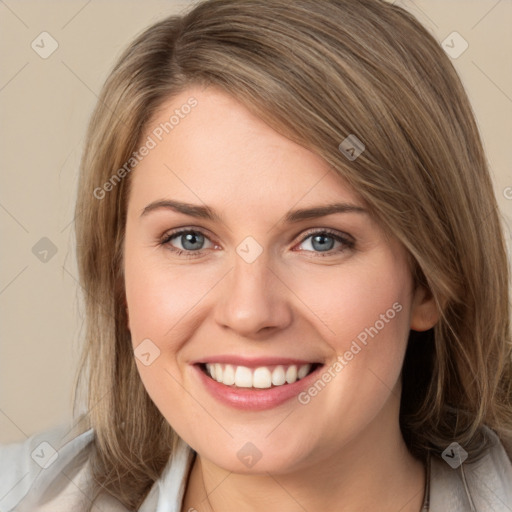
<point x="348" y="243"/>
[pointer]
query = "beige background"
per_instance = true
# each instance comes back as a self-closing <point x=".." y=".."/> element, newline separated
<point x="45" y="105"/>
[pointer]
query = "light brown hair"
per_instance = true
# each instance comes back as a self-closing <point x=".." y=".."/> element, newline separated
<point x="316" y="72"/>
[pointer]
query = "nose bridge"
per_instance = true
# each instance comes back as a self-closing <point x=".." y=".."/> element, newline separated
<point x="252" y="298"/>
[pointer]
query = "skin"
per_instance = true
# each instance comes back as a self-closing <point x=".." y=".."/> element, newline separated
<point x="343" y="450"/>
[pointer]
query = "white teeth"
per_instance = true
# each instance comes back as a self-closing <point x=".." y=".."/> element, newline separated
<point x="218" y="372"/>
<point x="291" y="374"/>
<point x="303" y="371"/>
<point x="243" y="377"/>
<point x="278" y="376"/>
<point x="260" y="378"/>
<point x="228" y="377"/>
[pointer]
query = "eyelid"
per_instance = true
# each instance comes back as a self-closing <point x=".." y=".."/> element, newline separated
<point x="168" y="235"/>
<point x="336" y="234"/>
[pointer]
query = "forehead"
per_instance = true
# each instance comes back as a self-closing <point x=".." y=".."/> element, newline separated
<point x="218" y="149"/>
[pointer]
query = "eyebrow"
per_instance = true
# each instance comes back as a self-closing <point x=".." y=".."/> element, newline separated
<point x="205" y="212"/>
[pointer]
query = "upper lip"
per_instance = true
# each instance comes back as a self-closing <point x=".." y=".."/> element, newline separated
<point x="253" y="362"/>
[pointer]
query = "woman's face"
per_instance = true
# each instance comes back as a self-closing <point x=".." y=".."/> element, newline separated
<point x="232" y="267"/>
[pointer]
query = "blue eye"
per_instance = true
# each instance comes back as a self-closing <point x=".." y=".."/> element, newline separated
<point x="191" y="241"/>
<point x="324" y="242"/>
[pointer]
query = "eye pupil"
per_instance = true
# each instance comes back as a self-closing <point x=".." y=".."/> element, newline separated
<point x="323" y="246"/>
<point x="192" y="238"/>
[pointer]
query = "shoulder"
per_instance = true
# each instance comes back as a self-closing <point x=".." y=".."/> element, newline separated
<point x="32" y="470"/>
<point x="50" y="472"/>
<point x="484" y="485"/>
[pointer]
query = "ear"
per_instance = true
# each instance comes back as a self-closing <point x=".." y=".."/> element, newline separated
<point x="424" y="312"/>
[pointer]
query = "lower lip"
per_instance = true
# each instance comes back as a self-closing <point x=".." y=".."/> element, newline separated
<point x="255" y="399"/>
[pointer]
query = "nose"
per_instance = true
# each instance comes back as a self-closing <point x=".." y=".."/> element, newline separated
<point x="254" y="302"/>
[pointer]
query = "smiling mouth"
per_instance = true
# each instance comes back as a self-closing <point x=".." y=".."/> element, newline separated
<point x="263" y="377"/>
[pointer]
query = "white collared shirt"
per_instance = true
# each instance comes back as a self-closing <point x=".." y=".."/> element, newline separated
<point x="43" y="474"/>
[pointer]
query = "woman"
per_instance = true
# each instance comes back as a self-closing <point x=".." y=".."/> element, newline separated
<point x="296" y="280"/>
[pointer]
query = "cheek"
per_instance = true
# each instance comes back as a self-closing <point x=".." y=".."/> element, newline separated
<point x="364" y="314"/>
<point x="363" y="300"/>
<point x="163" y="305"/>
<point x="365" y="311"/>
<point x="161" y="299"/>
